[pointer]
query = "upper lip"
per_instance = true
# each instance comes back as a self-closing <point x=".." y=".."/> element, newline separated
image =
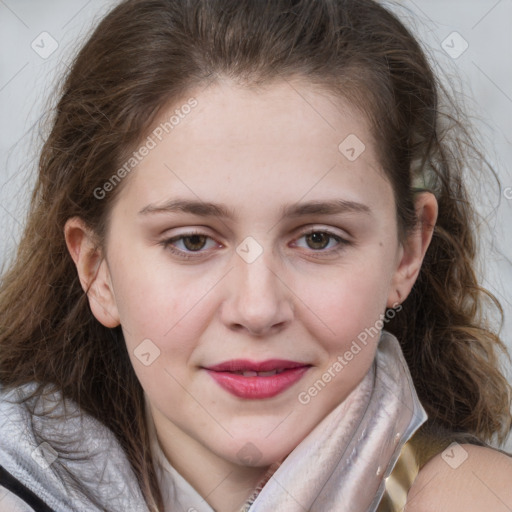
<point x="240" y="365"/>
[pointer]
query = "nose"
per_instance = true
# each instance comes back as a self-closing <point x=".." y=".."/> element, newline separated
<point x="258" y="300"/>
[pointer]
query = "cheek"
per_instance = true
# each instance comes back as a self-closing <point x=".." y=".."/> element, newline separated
<point x="171" y="312"/>
<point x="346" y="302"/>
<point x="346" y="314"/>
<point x="344" y="317"/>
<point x="169" y="308"/>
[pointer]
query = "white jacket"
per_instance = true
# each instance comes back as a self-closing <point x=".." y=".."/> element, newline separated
<point x="340" y="466"/>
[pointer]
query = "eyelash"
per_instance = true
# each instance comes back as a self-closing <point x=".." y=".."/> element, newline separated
<point x="342" y="243"/>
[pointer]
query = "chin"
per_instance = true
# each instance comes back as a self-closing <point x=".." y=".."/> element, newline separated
<point x="258" y="453"/>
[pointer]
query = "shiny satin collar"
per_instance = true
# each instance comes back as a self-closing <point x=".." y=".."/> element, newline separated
<point x="343" y="463"/>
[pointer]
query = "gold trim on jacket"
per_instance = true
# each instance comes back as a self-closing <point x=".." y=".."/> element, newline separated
<point x="426" y="443"/>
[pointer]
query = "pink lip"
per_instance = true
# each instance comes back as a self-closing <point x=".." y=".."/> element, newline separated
<point x="257" y="387"/>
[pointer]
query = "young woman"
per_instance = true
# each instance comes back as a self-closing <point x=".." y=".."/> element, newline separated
<point x="246" y="282"/>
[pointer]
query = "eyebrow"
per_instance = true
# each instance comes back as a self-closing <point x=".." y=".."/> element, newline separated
<point x="208" y="209"/>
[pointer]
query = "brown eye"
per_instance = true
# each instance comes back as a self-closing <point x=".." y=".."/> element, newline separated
<point x="322" y="243"/>
<point x="318" y="239"/>
<point x="189" y="245"/>
<point x="194" y="242"/>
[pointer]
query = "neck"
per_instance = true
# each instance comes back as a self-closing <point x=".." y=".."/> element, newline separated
<point x="224" y="485"/>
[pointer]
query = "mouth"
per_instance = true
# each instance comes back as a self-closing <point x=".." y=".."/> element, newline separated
<point x="257" y="380"/>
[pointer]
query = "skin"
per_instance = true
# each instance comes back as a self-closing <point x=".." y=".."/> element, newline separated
<point x="480" y="482"/>
<point x="304" y="298"/>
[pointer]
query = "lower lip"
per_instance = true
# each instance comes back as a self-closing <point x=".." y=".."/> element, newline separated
<point x="258" y="387"/>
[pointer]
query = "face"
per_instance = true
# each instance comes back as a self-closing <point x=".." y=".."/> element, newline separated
<point x="249" y="240"/>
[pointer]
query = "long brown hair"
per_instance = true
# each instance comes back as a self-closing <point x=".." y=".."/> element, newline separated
<point x="143" y="56"/>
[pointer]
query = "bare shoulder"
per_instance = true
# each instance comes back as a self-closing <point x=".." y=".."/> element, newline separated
<point x="464" y="478"/>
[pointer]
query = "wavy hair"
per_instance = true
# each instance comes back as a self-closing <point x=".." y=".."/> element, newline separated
<point x="143" y="56"/>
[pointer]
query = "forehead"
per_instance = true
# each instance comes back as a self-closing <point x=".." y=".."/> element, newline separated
<point x="277" y="115"/>
<point x="278" y="142"/>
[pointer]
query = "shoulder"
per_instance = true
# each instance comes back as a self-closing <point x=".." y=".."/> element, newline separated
<point x="465" y="478"/>
<point x="88" y="465"/>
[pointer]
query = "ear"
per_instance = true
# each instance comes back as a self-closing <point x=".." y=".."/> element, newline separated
<point x="414" y="248"/>
<point x="93" y="271"/>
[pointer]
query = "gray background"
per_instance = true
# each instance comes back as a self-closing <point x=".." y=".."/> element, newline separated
<point x="482" y="78"/>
